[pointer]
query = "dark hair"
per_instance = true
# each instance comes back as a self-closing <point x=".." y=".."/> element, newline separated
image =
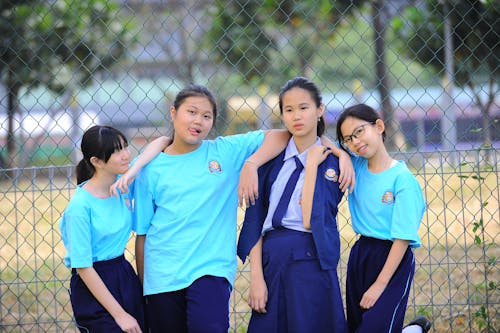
<point x="308" y="85"/>
<point x="195" y="90"/>
<point x="101" y="142"/>
<point x="359" y="111"/>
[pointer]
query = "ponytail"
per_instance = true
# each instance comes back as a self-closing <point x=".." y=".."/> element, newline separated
<point x="84" y="171"/>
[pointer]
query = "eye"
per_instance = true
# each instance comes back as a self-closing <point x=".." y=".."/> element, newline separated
<point x="358" y="132"/>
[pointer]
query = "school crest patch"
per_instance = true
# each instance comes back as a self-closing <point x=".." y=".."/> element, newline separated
<point x="214" y="167"/>
<point x="388" y="198"/>
<point x="331" y="175"/>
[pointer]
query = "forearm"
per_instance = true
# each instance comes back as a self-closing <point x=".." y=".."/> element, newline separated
<point x="398" y="250"/>
<point x="311" y="172"/>
<point x="256" y="271"/>
<point x="139" y="255"/>
<point x="275" y="141"/>
<point x="99" y="290"/>
<point x="150" y="151"/>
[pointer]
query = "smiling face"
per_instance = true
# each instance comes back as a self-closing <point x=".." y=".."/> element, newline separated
<point x="192" y="120"/>
<point x="300" y="113"/>
<point x="362" y="137"/>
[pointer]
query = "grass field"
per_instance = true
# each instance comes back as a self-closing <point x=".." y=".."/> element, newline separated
<point x="456" y="282"/>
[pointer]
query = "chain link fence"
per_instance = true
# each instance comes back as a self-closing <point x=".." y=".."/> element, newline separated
<point x="431" y="68"/>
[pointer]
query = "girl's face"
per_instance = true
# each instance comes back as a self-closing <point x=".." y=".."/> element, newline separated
<point x="193" y="120"/>
<point x="117" y="163"/>
<point x="300" y="113"/>
<point x="362" y="137"/>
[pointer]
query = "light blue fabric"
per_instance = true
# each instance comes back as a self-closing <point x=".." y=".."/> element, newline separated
<point x="94" y="229"/>
<point x="388" y="205"/>
<point x="186" y="206"/>
<point x="293" y="216"/>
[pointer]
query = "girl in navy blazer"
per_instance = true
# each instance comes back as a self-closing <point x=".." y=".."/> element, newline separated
<point x="293" y="260"/>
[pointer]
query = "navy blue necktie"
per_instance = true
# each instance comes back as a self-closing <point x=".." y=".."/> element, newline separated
<point x="287" y="194"/>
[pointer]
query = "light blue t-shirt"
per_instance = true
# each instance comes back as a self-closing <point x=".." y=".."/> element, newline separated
<point x="186" y="206"/>
<point x="387" y="205"/>
<point x="94" y="229"/>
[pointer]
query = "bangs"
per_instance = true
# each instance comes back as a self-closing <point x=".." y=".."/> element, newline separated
<point x="112" y="140"/>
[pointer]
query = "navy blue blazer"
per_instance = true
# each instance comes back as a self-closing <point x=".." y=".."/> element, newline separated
<point x="327" y="196"/>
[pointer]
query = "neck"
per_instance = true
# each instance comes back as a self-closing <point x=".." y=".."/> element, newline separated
<point x="99" y="184"/>
<point x="304" y="142"/>
<point x="179" y="147"/>
<point x="380" y="161"/>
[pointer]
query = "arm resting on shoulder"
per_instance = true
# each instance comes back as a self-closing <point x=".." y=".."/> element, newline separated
<point x="315" y="156"/>
<point x="347" y="177"/>
<point x="150" y="152"/>
<point x="275" y="141"/>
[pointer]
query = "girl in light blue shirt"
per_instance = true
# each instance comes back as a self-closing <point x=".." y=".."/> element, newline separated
<point x="105" y="292"/>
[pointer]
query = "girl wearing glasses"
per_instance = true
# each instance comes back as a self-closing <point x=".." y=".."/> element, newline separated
<point x="386" y="208"/>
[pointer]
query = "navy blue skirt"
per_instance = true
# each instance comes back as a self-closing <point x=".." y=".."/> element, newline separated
<point x="302" y="297"/>
<point x="366" y="260"/>
<point x="122" y="281"/>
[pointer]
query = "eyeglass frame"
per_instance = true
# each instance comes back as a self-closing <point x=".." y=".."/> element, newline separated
<point x="354" y="134"/>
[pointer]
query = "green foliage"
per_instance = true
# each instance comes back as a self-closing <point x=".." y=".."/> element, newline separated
<point x="272" y="41"/>
<point x="475" y="34"/>
<point x="54" y="42"/>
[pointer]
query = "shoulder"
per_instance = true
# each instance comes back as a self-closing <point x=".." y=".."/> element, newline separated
<point x="404" y="177"/>
<point x="239" y="138"/>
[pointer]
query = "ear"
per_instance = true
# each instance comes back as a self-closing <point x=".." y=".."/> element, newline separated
<point x="379" y="124"/>
<point x="321" y="110"/>
<point x="97" y="163"/>
<point x="172" y="113"/>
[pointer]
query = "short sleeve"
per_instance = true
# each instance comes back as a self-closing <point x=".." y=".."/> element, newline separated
<point x="240" y="146"/>
<point x="408" y="211"/>
<point x="78" y="237"/>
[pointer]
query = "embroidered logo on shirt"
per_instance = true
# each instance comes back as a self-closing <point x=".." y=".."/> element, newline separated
<point x="214" y="167"/>
<point x="388" y="198"/>
<point x="331" y="175"/>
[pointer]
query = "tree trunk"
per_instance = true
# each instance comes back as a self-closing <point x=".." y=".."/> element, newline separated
<point x="394" y="139"/>
<point x="12" y="108"/>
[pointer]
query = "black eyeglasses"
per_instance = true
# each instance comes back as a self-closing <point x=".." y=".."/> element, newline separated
<point x="357" y="133"/>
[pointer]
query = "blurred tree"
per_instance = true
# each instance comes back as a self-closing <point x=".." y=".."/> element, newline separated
<point x="475" y="37"/>
<point x="271" y="41"/>
<point x="61" y="44"/>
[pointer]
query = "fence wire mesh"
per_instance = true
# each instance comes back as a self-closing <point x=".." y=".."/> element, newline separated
<point x="431" y="68"/>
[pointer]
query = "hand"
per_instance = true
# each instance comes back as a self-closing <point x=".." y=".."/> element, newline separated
<point x="371" y="296"/>
<point x="257" y="298"/>
<point x="316" y="155"/>
<point x="248" y="187"/>
<point x="347" y="177"/>
<point x="121" y="184"/>
<point x="128" y="323"/>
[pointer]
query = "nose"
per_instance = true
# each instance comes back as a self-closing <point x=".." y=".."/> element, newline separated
<point x="354" y="140"/>
<point x="125" y="154"/>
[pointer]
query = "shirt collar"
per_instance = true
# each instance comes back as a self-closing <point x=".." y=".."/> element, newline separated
<point x="291" y="151"/>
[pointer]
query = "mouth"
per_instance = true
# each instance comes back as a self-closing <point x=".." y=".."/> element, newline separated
<point x="298" y="126"/>
<point x="194" y="131"/>
<point x="361" y="150"/>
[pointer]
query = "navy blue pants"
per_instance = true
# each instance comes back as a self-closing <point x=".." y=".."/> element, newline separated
<point x="302" y="297"/>
<point x="203" y="307"/>
<point x="121" y="280"/>
<point x="367" y="257"/>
